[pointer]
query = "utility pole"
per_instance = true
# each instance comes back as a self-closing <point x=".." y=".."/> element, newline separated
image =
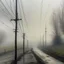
<point x="45" y="35"/>
<point x="27" y="45"/>
<point x="16" y="26"/>
<point x="23" y="47"/>
<point x="16" y="34"/>
<point x="43" y="41"/>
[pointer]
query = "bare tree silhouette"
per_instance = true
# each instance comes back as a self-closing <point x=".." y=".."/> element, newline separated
<point x="56" y="25"/>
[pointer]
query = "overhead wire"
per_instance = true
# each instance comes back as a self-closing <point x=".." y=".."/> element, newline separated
<point x="6" y="9"/>
<point x="19" y="24"/>
<point x="24" y="25"/>
<point x="20" y="30"/>
<point x="2" y="10"/>
<point x="2" y="22"/>
<point x="9" y="7"/>
<point x="24" y="13"/>
<point x="21" y="16"/>
<point x="12" y="7"/>
<point x="6" y="15"/>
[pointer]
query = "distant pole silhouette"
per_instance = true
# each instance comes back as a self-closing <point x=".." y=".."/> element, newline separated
<point x="45" y="36"/>
<point x="23" y="47"/>
<point x="43" y="41"/>
<point x="27" y="45"/>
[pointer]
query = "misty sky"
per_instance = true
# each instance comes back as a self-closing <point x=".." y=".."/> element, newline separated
<point x="38" y="13"/>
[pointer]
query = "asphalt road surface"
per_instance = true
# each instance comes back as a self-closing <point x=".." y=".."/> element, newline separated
<point x="29" y="59"/>
<point x="8" y="57"/>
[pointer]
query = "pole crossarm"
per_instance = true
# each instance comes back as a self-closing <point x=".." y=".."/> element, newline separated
<point x="15" y="19"/>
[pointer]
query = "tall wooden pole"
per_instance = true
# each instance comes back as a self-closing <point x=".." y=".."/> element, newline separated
<point x="16" y="26"/>
<point x="16" y="34"/>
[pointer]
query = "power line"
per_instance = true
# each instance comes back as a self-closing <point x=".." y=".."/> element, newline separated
<point x="5" y="8"/>
<point x="23" y="13"/>
<point x="5" y="24"/>
<point x="21" y="16"/>
<point x="20" y="27"/>
<point x="4" y="11"/>
<point x="9" y="7"/>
